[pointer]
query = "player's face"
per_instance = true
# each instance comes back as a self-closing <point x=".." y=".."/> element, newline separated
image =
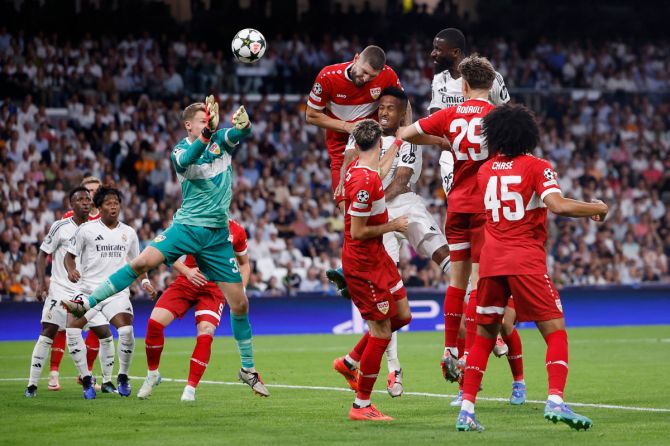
<point x="390" y="113"/>
<point x="443" y="55"/>
<point x="361" y="72"/>
<point x="111" y="206"/>
<point x="195" y="126"/>
<point x="81" y="204"/>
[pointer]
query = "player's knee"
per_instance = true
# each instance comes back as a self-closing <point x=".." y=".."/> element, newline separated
<point x="102" y="331"/>
<point x="126" y="332"/>
<point x="206" y="328"/>
<point x="49" y="330"/>
<point x="240" y="307"/>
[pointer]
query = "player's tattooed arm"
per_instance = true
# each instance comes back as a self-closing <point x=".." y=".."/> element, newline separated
<point x="40" y="268"/>
<point x="399" y="185"/>
<point x="71" y="267"/>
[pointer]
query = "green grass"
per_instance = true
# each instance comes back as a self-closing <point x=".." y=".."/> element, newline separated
<point x="622" y="366"/>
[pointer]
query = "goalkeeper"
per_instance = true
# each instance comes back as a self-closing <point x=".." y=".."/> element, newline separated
<point x="200" y="227"/>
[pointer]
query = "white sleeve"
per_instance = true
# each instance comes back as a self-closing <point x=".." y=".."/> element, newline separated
<point x="134" y="249"/>
<point x="498" y="94"/>
<point x="351" y="143"/>
<point x="435" y="97"/>
<point x="51" y="241"/>
<point x="77" y="243"/>
<point x="407" y="155"/>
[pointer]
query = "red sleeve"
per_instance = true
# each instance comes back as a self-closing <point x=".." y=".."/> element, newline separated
<point x="544" y="179"/>
<point x="68" y="214"/>
<point x="239" y="238"/>
<point x="320" y="92"/>
<point x="435" y="124"/>
<point x="361" y="194"/>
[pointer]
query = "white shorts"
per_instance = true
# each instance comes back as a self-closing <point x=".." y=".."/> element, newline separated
<point x="53" y="312"/>
<point x="423" y="233"/>
<point x="102" y="313"/>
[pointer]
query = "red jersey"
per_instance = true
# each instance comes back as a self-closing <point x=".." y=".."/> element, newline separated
<point x="461" y="125"/>
<point x="516" y="217"/>
<point x="334" y="91"/>
<point x="363" y="197"/>
<point x="238" y="237"/>
<point x="70" y="213"/>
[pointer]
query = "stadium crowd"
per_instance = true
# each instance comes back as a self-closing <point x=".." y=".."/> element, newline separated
<point x="121" y="100"/>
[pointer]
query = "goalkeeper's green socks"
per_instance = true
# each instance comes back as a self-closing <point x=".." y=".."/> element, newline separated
<point x="242" y="334"/>
<point x="119" y="281"/>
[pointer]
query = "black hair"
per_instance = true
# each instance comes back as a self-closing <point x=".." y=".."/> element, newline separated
<point x="454" y="38"/>
<point x="102" y="192"/>
<point x="511" y="130"/>
<point x="397" y="93"/>
<point x="77" y="189"/>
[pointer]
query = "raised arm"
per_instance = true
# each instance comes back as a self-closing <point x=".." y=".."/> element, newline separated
<point x="567" y="207"/>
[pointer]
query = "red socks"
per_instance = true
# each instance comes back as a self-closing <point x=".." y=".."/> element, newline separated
<point x="557" y="361"/>
<point x="515" y="354"/>
<point x="92" y="348"/>
<point x="359" y="348"/>
<point x="370" y="364"/>
<point x="475" y="366"/>
<point x="453" y="311"/>
<point x="200" y="359"/>
<point x="471" y="321"/>
<point x="154" y="344"/>
<point x="57" y="350"/>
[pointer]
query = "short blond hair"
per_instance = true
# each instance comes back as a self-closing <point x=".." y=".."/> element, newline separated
<point x="478" y="72"/>
<point x="366" y="133"/>
<point x="89" y="180"/>
<point x="189" y="112"/>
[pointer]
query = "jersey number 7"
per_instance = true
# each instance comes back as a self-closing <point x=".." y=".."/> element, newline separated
<point x="471" y="129"/>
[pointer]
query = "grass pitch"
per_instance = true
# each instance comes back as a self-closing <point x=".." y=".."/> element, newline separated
<point x="616" y="367"/>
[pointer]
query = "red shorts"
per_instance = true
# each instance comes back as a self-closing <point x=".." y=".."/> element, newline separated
<point x="535" y="298"/>
<point x="181" y="295"/>
<point x="375" y="292"/>
<point x="465" y="235"/>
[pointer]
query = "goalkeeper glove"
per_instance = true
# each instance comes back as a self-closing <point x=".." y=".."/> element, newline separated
<point x="212" y="116"/>
<point x="241" y="119"/>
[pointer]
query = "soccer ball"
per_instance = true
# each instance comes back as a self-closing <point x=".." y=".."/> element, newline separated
<point x="248" y="45"/>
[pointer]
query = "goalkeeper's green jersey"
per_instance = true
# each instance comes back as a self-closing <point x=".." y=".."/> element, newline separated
<point x="205" y="173"/>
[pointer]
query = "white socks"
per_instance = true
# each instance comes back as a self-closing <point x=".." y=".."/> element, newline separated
<point x="40" y="353"/>
<point x="555" y="399"/>
<point x="392" y="353"/>
<point x="126" y="348"/>
<point x="107" y="358"/>
<point x="468" y="406"/>
<point x="77" y="348"/>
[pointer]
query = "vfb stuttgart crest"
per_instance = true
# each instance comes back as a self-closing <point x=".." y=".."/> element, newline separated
<point x="214" y="149"/>
<point x="375" y="92"/>
<point x="383" y="306"/>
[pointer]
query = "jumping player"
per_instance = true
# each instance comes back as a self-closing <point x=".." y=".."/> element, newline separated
<point x="102" y="246"/>
<point x="374" y="283"/>
<point x="400" y="167"/>
<point x="54" y="317"/>
<point x="518" y="189"/>
<point x="191" y="289"/>
<point x="203" y="161"/>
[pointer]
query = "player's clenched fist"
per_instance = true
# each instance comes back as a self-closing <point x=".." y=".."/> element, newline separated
<point x="211" y="113"/>
<point x="400" y="224"/>
<point x="603" y="211"/>
<point x="241" y="118"/>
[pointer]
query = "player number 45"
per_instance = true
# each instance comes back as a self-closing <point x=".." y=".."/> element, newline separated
<point x="493" y="204"/>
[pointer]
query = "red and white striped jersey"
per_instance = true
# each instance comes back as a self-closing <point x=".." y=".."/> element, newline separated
<point x="334" y="91"/>
<point x="363" y="197"/>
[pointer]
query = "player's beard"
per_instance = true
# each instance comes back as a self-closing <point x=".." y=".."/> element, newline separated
<point x="442" y="64"/>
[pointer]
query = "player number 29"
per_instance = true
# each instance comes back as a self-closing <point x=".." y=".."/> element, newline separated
<point x="493" y="204"/>
<point x="472" y="130"/>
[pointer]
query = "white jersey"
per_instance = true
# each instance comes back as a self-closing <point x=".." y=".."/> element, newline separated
<point x="56" y="243"/>
<point x="409" y="155"/>
<point x="448" y="92"/>
<point x="102" y="251"/>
